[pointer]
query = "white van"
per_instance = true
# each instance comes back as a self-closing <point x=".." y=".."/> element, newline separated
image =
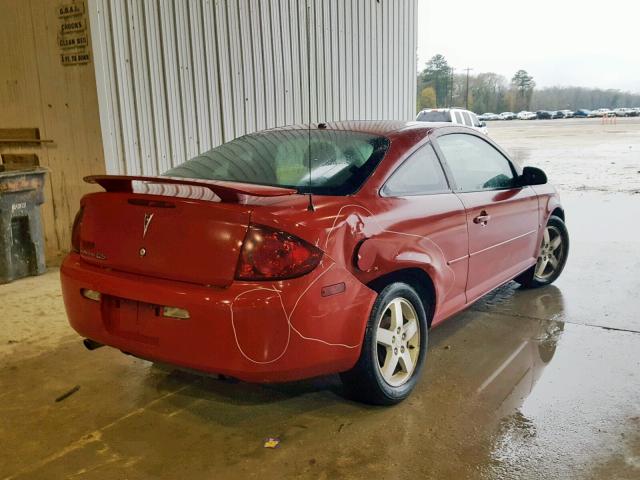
<point x="452" y="115"/>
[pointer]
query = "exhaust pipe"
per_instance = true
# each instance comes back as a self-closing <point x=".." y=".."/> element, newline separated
<point x="91" y="344"/>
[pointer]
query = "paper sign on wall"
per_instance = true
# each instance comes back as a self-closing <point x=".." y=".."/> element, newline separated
<point x="73" y="38"/>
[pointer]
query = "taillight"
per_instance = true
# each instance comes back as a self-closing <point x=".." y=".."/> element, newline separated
<point x="269" y="254"/>
<point x="75" y="231"/>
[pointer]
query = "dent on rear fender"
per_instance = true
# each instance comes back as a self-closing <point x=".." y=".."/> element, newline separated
<point x="358" y="239"/>
<point x="351" y="225"/>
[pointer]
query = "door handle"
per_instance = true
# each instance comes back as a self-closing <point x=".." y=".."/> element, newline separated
<point x="482" y="219"/>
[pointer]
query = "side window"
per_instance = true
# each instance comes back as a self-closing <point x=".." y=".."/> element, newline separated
<point x="467" y="119"/>
<point x="420" y="174"/>
<point x="458" y="117"/>
<point x="474" y="119"/>
<point x="475" y="164"/>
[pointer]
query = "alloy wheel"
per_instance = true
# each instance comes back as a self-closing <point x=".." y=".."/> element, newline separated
<point x="551" y="253"/>
<point x="397" y="341"/>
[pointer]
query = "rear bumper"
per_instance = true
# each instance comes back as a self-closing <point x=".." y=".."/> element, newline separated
<point x="258" y="332"/>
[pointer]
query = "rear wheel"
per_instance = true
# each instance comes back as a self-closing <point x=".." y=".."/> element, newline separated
<point x="552" y="257"/>
<point x="394" y="348"/>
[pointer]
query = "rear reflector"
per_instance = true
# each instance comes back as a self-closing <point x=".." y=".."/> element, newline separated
<point x="175" y="312"/>
<point x="333" y="289"/>
<point x="90" y="294"/>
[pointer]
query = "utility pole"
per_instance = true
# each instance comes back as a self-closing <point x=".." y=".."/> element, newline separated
<point x="466" y="93"/>
<point x="451" y="90"/>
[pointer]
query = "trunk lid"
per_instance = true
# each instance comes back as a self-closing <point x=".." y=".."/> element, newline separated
<point x="172" y="231"/>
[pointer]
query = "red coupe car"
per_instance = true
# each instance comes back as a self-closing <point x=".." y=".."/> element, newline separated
<point x="310" y="250"/>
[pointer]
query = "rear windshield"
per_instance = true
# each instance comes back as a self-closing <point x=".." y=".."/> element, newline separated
<point x="340" y="160"/>
<point x="434" y="116"/>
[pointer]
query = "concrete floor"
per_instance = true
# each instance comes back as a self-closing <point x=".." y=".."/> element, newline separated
<point x="525" y="384"/>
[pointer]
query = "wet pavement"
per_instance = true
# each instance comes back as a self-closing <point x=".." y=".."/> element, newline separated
<point x="577" y="154"/>
<point x="534" y="384"/>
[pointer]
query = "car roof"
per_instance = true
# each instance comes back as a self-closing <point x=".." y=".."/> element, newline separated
<point x="384" y="128"/>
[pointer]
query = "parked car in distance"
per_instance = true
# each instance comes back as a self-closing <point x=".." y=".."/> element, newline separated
<point x="634" y="112"/>
<point x="581" y="113"/>
<point x="524" y="115"/>
<point x="508" y="116"/>
<point x="310" y="250"/>
<point x="457" y="116"/>
<point x="487" y="117"/>
<point x="622" y="112"/>
<point x="543" y="115"/>
<point x="556" y="114"/>
<point x="601" y="112"/>
<point x="567" y="113"/>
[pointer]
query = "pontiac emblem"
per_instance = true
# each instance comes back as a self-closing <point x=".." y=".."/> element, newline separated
<point x="147" y="221"/>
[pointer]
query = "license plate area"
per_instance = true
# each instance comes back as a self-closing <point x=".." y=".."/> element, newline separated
<point x="131" y="319"/>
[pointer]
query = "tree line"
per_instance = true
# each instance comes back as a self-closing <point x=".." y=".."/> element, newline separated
<point x="439" y="85"/>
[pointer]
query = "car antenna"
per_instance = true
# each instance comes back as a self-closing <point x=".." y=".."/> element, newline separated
<point x="310" y="206"/>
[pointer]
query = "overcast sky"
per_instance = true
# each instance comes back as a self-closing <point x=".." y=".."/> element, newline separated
<point x="560" y="42"/>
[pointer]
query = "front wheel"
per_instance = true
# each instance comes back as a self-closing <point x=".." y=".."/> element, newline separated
<point x="394" y="348"/>
<point x="552" y="257"/>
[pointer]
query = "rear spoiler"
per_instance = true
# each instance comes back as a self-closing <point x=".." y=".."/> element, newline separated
<point x="226" y="191"/>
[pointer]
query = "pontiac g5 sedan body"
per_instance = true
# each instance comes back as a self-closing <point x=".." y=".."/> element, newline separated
<point x="310" y="250"/>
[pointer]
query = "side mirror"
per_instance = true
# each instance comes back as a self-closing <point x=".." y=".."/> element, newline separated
<point x="483" y="123"/>
<point x="532" y="176"/>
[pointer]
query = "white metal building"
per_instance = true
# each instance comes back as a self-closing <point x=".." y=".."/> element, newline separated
<point x="176" y="77"/>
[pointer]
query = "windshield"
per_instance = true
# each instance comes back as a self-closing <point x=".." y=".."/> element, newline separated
<point x="434" y="116"/>
<point x="340" y="160"/>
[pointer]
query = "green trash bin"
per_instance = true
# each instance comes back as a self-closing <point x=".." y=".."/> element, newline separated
<point x="21" y="236"/>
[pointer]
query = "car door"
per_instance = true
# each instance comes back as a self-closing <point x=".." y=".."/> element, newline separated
<point x="433" y="219"/>
<point x="502" y="217"/>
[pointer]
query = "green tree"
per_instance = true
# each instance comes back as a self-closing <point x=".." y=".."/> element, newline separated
<point x="436" y="74"/>
<point x="488" y="91"/>
<point x="523" y="85"/>
<point x="427" y="98"/>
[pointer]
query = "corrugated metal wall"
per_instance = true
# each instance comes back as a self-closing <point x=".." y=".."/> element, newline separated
<point x="177" y="77"/>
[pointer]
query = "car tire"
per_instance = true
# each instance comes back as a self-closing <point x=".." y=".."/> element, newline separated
<point x="552" y="257"/>
<point x="393" y="350"/>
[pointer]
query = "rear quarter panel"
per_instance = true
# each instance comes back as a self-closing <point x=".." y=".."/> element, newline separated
<point x="368" y="237"/>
